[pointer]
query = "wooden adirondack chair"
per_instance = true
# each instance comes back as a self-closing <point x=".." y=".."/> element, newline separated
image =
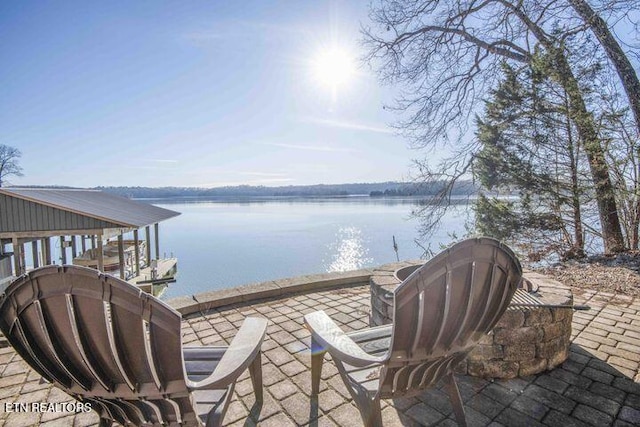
<point x="441" y="311"/>
<point x="105" y="342"/>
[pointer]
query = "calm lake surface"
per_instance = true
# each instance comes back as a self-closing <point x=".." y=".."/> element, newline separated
<point x="223" y="244"/>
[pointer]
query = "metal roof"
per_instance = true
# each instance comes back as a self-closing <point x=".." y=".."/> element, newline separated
<point x="95" y="204"/>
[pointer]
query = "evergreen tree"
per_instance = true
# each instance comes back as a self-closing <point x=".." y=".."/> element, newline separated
<point x="529" y="149"/>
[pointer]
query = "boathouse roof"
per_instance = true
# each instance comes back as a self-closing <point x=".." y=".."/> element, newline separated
<point x="28" y="210"/>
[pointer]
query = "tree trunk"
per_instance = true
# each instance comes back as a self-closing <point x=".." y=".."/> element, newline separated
<point x="607" y="208"/>
<point x="635" y="227"/>
<point x="625" y="70"/>
<point x="578" y="243"/>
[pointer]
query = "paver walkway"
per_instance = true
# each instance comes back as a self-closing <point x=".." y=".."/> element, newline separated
<point x="598" y="385"/>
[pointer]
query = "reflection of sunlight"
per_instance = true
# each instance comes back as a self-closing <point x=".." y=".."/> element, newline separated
<point x="348" y="251"/>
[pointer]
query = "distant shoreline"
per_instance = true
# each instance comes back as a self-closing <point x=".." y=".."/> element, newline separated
<point x="382" y="189"/>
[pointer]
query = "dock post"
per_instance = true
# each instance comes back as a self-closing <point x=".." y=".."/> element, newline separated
<point x="74" y="246"/>
<point x="17" y="257"/>
<point x="137" y="251"/>
<point x="63" y="249"/>
<point x="34" y="253"/>
<point x="47" y="250"/>
<point x="100" y="254"/>
<point x="157" y="229"/>
<point x="148" y="249"/>
<point x="23" y="258"/>
<point x="121" y="255"/>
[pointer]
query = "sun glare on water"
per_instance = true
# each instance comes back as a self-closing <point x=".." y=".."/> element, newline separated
<point x="349" y="251"/>
<point x="333" y="67"/>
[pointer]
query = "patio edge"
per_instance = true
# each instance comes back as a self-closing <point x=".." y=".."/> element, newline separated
<point x="204" y="301"/>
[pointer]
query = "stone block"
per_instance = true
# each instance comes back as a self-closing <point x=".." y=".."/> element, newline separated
<point x="588" y="398"/>
<point x="630" y="415"/>
<point x="563" y="313"/>
<point x="345" y="415"/>
<point x="510" y="337"/>
<point x="329" y="399"/>
<point x="611" y="392"/>
<point x="530" y="407"/>
<point x="486" y="352"/>
<point x="597" y="375"/>
<point x="531" y="367"/>
<point x="558" y="358"/>
<point x="620" y="352"/>
<point x="511" y="417"/>
<point x="298" y="407"/>
<point x="377" y="319"/>
<point x="537" y="316"/>
<point x="424" y="414"/>
<point x="382" y="307"/>
<point x="283" y="389"/>
<point x="316" y="282"/>
<point x="556" y="330"/>
<point x="254" y="291"/>
<point x="389" y="269"/>
<point x="520" y="351"/>
<point x="511" y="319"/>
<point x="218" y="298"/>
<point x="550" y="398"/>
<point x="546" y="350"/>
<point x="379" y="280"/>
<point x="493" y="369"/>
<point x="184" y="305"/>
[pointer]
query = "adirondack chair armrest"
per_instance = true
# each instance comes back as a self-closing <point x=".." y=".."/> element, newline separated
<point x="241" y="353"/>
<point x="329" y="335"/>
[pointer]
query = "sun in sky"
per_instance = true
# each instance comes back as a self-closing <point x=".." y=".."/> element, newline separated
<point x="333" y="68"/>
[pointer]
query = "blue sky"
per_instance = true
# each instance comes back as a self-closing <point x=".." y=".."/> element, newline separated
<point x="191" y="93"/>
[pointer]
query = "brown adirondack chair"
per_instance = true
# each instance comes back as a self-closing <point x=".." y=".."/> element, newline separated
<point x="441" y="311"/>
<point x="106" y="343"/>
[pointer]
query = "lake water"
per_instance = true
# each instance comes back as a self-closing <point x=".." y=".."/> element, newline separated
<point x="228" y="243"/>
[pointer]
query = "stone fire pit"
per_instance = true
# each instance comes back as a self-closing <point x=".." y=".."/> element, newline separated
<point x="526" y="340"/>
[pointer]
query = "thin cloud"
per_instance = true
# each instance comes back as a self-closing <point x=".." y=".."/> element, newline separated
<point x="324" y="148"/>
<point x="348" y="125"/>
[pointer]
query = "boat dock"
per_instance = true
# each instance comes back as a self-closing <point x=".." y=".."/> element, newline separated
<point x="165" y="270"/>
<point x="30" y="218"/>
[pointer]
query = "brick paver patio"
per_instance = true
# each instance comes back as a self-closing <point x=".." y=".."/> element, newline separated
<point x="598" y="385"/>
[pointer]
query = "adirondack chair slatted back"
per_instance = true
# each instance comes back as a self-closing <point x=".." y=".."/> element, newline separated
<point x="443" y="309"/>
<point x="101" y="340"/>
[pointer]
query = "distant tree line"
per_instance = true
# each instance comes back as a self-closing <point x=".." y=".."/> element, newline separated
<point x="380" y="189"/>
<point x="461" y="188"/>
